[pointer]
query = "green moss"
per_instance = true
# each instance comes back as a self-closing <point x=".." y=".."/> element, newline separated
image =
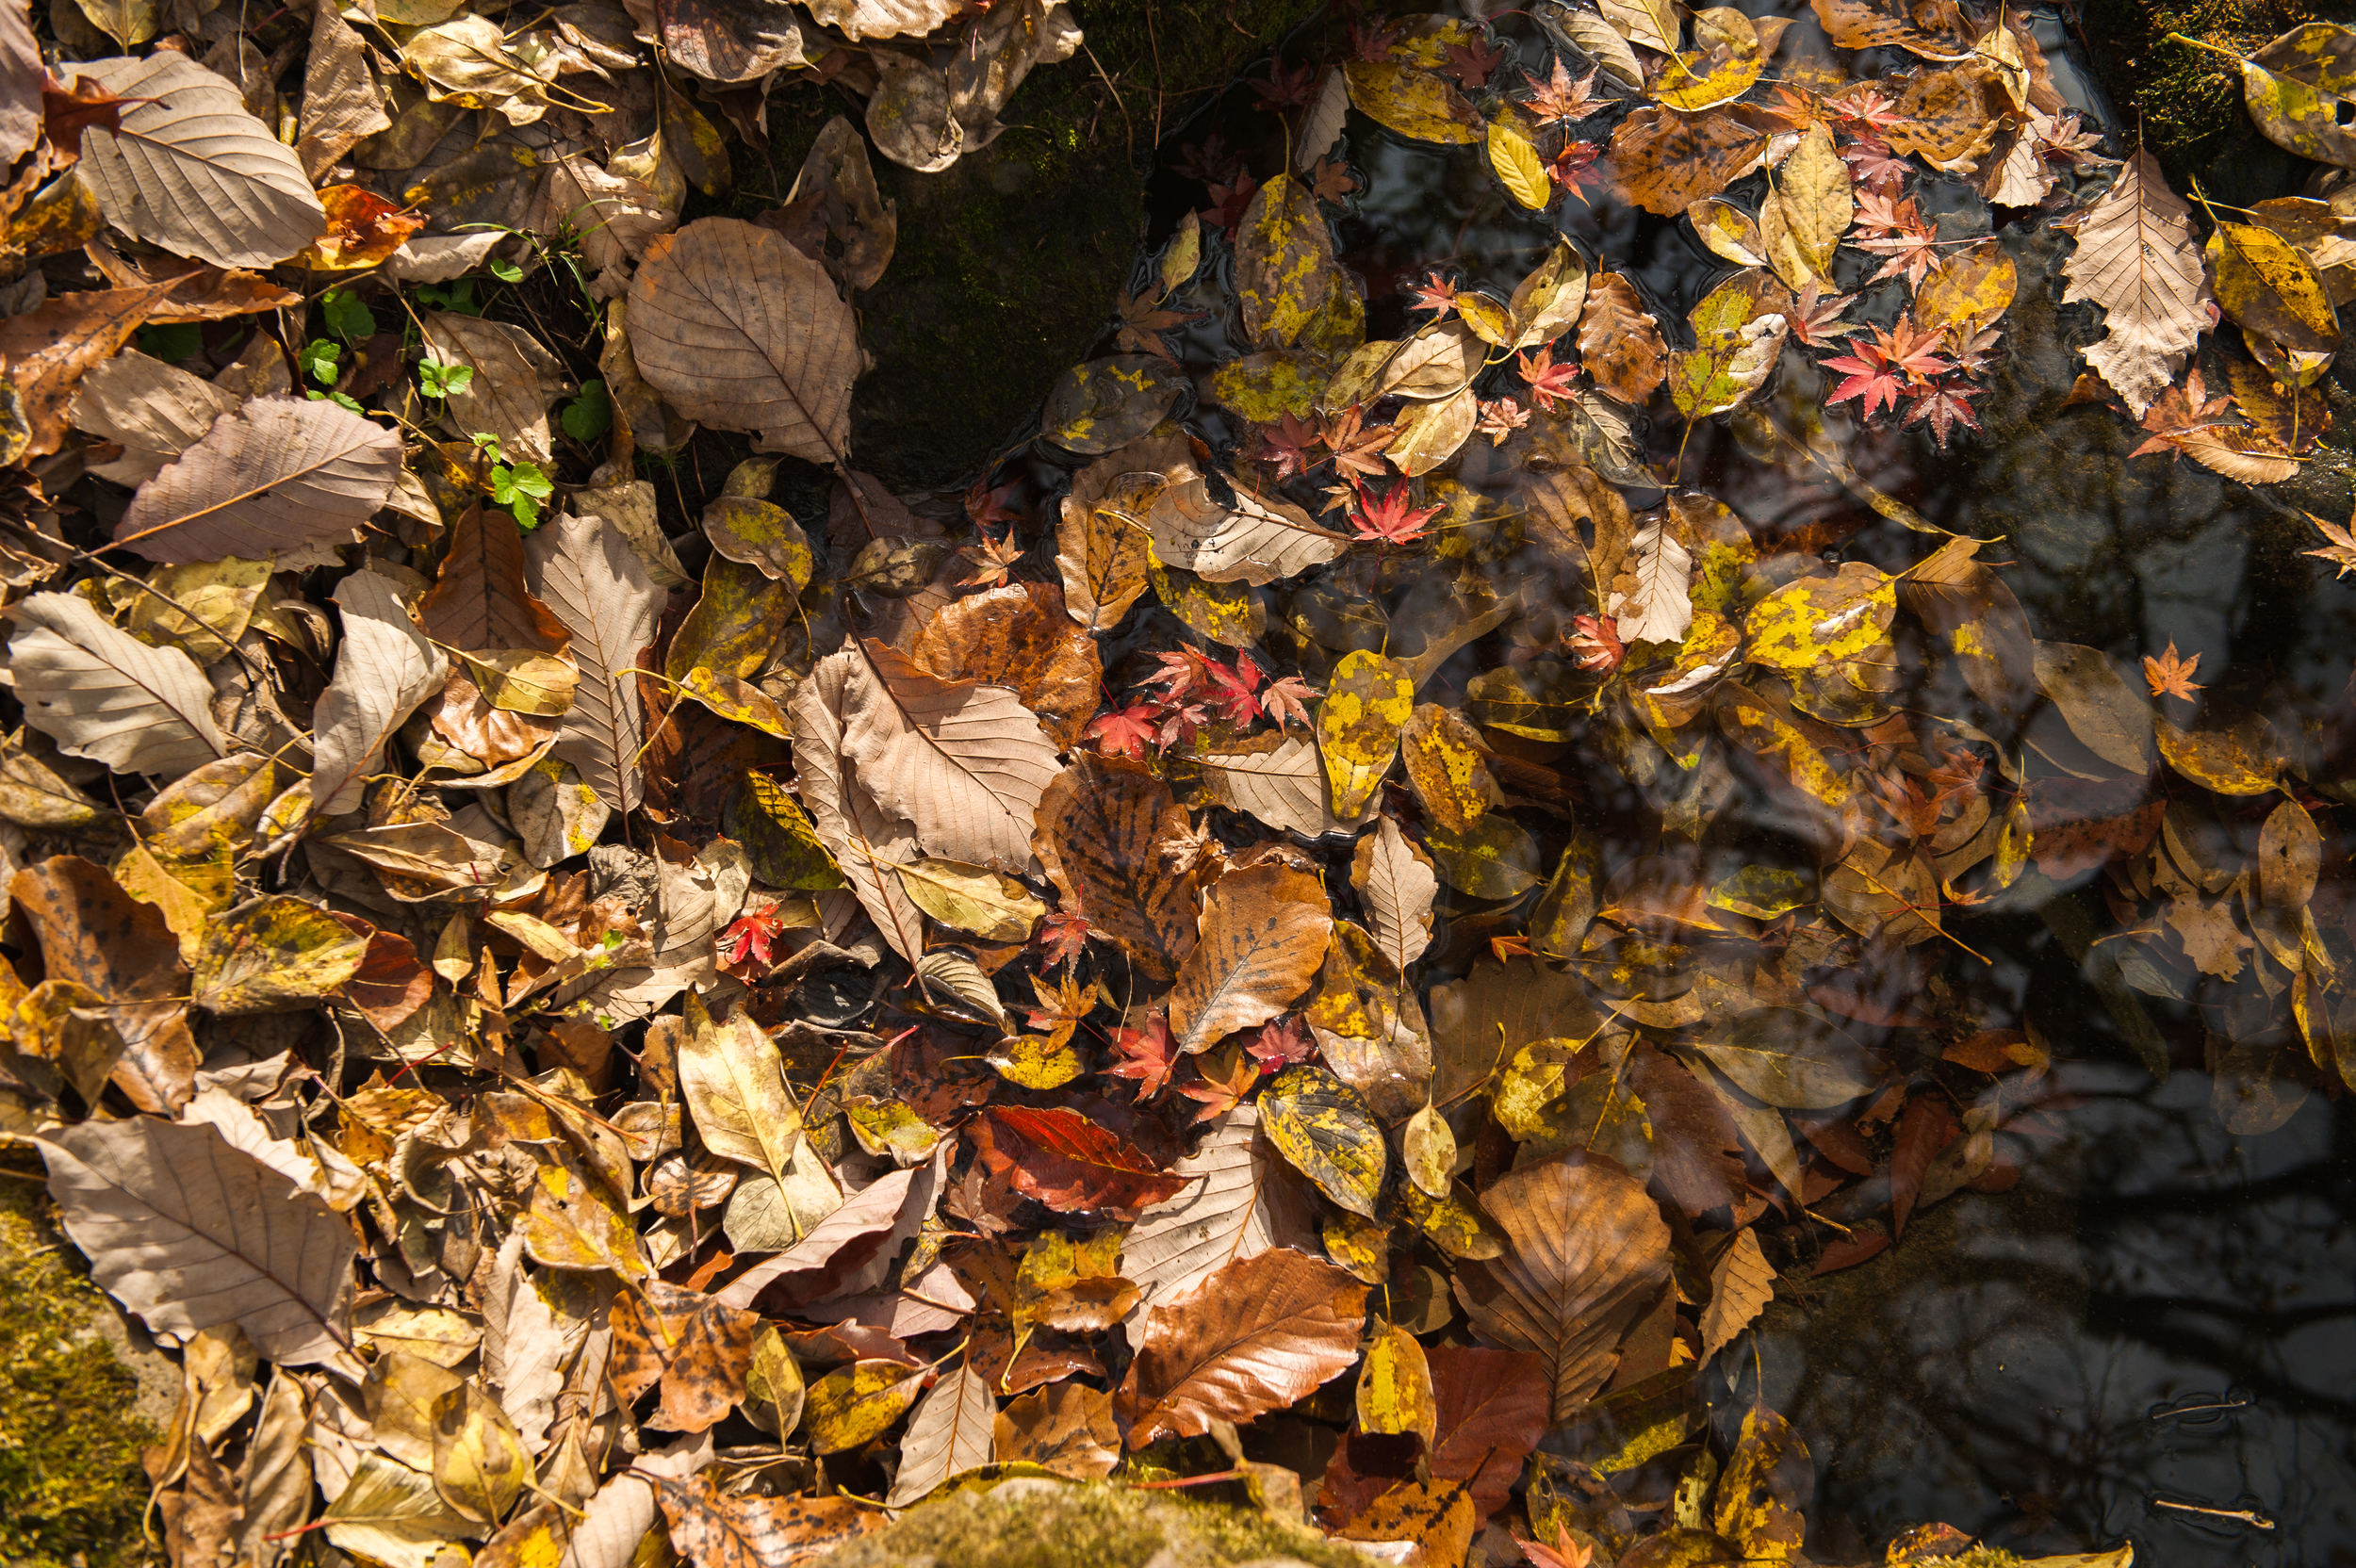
<point x="1042" y="1525"/>
<point x="1009" y="260"/>
<point x="69" y="1443"/>
<point x="2188" y="100"/>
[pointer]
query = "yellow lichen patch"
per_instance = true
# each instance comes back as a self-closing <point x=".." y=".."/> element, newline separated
<point x="859" y="1403"/>
<point x="1820" y="620"/>
<point x="1358" y="727"/>
<point x="1283" y="262"/>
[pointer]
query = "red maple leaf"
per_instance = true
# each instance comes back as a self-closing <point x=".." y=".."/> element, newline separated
<point x="1230" y="691"/>
<point x="1286" y="445"/>
<point x="1562" y="100"/>
<point x="1332" y="180"/>
<point x="1183" y="674"/>
<point x="1435" y="293"/>
<point x="1225" y="1078"/>
<point x="1550" y="383"/>
<point x="1211" y="161"/>
<point x="1501" y="418"/>
<point x="1127" y="733"/>
<point x="1148" y="1055"/>
<point x="1287" y="700"/>
<point x="1574" y="167"/>
<point x="1816" y="320"/>
<point x="1470" y="63"/>
<point x="1594" y="643"/>
<point x="749" y="936"/>
<point x="985" y="503"/>
<point x="1061" y="936"/>
<point x="1281" y="1044"/>
<point x="1287" y="89"/>
<point x="1372" y="40"/>
<point x="1945" y="405"/>
<point x="1230" y="201"/>
<point x="1389" y="518"/>
<point x="1878" y="372"/>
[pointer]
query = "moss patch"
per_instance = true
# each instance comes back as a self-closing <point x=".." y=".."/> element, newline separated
<point x="70" y="1439"/>
<point x="1043" y="1525"/>
<point x="1009" y="260"/>
<point x="2188" y="100"/>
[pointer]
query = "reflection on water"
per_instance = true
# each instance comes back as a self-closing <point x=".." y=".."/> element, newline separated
<point x="2153" y="1336"/>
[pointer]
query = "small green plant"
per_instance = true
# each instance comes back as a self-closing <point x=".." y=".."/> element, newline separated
<point x="521" y="487"/>
<point x="320" y="360"/>
<point x="443" y="381"/>
<point x="347" y="316"/>
<point x="589" y="415"/>
<point x="457" y="295"/>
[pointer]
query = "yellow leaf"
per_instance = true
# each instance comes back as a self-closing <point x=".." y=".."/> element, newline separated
<point x="273" y="952"/>
<point x="972" y="899"/>
<point x="1358" y="727"/>
<point x="1417" y="105"/>
<point x="852" y="1407"/>
<point x="1517" y="167"/>
<point x="1395" y="1387"/>
<point x="2269" y="287"/>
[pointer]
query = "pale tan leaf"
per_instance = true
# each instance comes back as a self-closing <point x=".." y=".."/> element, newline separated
<point x="1241" y="1199"/>
<point x="868" y="843"/>
<point x="1659" y="609"/>
<point x="1279" y="781"/>
<point x="385" y="668"/>
<point x="283" y="477"/>
<point x="616" y="1520"/>
<point x="1652" y="23"/>
<point x="342" y="103"/>
<point x="1257" y="539"/>
<point x="191" y="1234"/>
<point x="1398" y="883"/>
<point x="514" y="378"/>
<point x="738" y="329"/>
<point x="964" y="762"/>
<point x="1741" y="1285"/>
<point x="189" y="169"/>
<point x="951" y="1431"/>
<point x="153" y="411"/>
<point x="585" y="571"/>
<point x="100" y="692"/>
<point x="885" y="18"/>
<point x="19" y="85"/>
<point x="2137" y="258"/>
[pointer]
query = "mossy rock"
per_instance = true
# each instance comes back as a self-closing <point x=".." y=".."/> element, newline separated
<point x="73" y="1415"/>
<point x="1009" y="260"/>
<point x="1036" y="1523"/>
<point x="2188" y="100"/>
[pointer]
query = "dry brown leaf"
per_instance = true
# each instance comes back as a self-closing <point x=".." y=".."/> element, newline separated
<point x="1252" y="1337"/>
<point x="385" y="668"/>
<point x="951" y="1431"/>
<point x="1619" y="342"/>
<point x="100" y="692"/>
<point x="48" y="348"/>
<point x="1396" y="879"/>
<point x="2137" y="259"/>
<point x="595" y="584"/>
<point x="738" y="330"/>
<point x="697" y="1348"/>
<point x="1741" y="1285"/>
<point x="1018" y="636"/>
<point x="1101" y="826"/>
<point x="868" y="843"/>
<point x="1587" y="1254"/>
<point x="280" y="478"/>
<point x="1264" y="930"/>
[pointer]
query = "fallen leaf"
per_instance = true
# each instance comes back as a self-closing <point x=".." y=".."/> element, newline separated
<point x="277" y="478"/>
<point x="1265" y="931"/>
<point x="2137" y="260"/>
<point x="102" y="694"/>
<point x="595" y="585"/>
<point x="1252" y="1337"/>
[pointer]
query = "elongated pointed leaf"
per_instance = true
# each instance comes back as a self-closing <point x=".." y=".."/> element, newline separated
<point x="586" y="572"/>
<point x="280" y="477"/>
<point x="100" y="692"/>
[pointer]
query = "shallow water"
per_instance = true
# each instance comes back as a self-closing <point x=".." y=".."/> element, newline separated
<point x="2161" y="1312"/>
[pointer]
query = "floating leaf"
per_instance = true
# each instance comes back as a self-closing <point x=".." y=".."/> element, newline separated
<point x="1319" y="1123"/>
<point x="1264" y="930"/>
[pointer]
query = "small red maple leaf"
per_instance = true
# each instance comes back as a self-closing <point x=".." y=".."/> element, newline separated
<point x="1945" y="403"/>
<point x="1565" y="1552"/>
<point x="1435" y="293"/>
<point x="1281" y="1044"/>
<point x="1594" y="643"/>
<point x="1061" y="936"/>
<point x="1226" y="1077"/>
<point x="1357" y="448"/>
<point x="1816" y="320"/>
<point x="1372" y="40"/>
<point x="1562" y="100"/>
<point x="2169" y="675"/>
<point x="1230" y="201"/>
<point x="1332" y="180"/>
<point x="1574" y="167"/>
<point x="1183" y="672"/>
<point x="1388" y="518"/>
<point x="1287" y="89"/>
<point x="1501" y="418"/>
<point x="749" y="936"/>
<point x="1287" y="700"/>
<point x="1470" y="63"/>
<point x="1550" y="383"/>
<point x="1211" y="160"/>
<point x="1147" y="1056"/>
<point x="1232" y="691"/>
<point x="1127" y="733"/>
<point x="1286" y="443"/>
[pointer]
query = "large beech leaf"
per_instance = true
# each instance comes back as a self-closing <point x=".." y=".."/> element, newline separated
<point x="869" y="844"/>
<point x="19" y="85"/>
<point x="965" y="762"/>
<point x="884" y="18"/>
<point x="738" y="329"/>
<point x="1069" y="1162"/>
<point x="153" y="411"/>
<point x="1322" y="1125"/>
<point x="191" y="1234"/>
<point x="2137" y="260"/>
<point x="384" y="669"/>
<point x="951" y="1431"/>
<point x="100" y="692"/>
<point x="1100" y="825"/>
<point x="1018" y="636"/>
<point x="189" y="169"/>
<point x="1265" y="931"/>
<point x="1254" y="539"/>
<point x="1279" y="779"/>
<point x="1587" y="1253"/>
<point x="1240" y="1201"/>
<point x="49" y="347"/>
<point x="1254" y="1337"/>
<point x="587" y="574"/>
<point x="280" y="477"/>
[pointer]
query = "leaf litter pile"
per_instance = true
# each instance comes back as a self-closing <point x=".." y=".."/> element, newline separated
<point x="1332" y="937"/>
